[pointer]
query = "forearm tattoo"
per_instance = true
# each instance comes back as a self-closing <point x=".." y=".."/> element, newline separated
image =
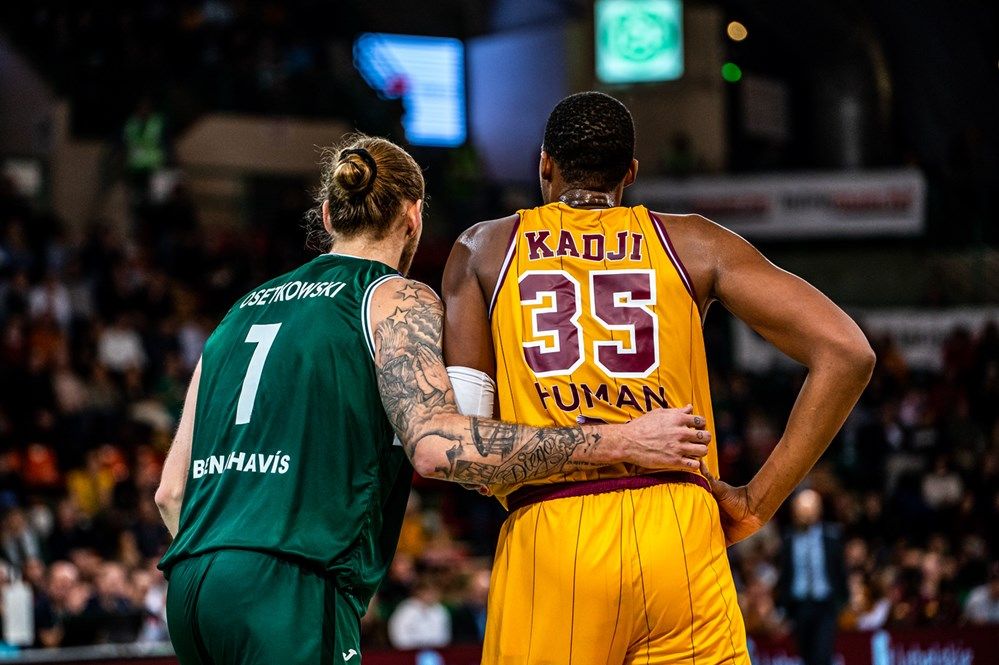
<point x="415" y="388"/>
<point x="525" y="453"/>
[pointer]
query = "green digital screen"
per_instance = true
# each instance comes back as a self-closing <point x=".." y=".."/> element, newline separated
<point x="639" y="41"/>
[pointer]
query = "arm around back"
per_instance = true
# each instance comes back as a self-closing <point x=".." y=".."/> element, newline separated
<point x="408" y="319"/>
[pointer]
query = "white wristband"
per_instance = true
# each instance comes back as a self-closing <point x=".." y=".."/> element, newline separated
<point x="474" y="391"/>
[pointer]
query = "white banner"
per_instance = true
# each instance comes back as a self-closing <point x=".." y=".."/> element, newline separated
<point x="918" y="333"/>
<point x="794" y="206"/>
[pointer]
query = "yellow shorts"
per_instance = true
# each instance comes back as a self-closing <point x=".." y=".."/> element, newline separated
<point x="631" y="576"/>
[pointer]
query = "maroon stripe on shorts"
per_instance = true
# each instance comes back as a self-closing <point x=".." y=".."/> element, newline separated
<point x="531" y="494"/>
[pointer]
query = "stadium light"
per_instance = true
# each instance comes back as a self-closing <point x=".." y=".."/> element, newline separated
<point x="731" y="72"/>
<point x="639" y="41"/>
<point x="736" y="31"/>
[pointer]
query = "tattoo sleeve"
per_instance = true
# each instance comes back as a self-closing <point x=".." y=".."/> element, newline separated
<point x="417" y="396"/>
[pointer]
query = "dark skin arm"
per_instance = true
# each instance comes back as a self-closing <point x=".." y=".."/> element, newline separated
<point x="469" y="281"/>
<point x="801" y="322"/>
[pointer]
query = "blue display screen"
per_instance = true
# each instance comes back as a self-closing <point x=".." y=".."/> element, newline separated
<point x="428" y="74"/>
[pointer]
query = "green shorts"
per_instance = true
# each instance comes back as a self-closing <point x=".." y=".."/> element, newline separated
<point x="238" y="606"/>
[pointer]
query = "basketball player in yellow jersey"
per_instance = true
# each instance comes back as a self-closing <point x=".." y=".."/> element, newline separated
<point x="582" y="310"/>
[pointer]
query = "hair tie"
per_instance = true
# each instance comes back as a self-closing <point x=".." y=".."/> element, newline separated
<point x="366" y="158"/>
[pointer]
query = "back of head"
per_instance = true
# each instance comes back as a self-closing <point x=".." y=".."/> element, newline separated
<point x="591" y="137"/>
<point x="367" y="181"/>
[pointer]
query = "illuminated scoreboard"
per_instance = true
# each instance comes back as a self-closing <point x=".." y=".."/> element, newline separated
<point x="639" y="41"/>
<point x="428" y="74"/>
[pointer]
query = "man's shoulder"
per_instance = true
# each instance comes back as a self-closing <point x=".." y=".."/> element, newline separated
<point x="481" y="236"/>
<point x="479" y="250"/>
<point x="688" y="223"/>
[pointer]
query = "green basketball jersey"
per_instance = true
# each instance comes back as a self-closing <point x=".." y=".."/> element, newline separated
<point x="293" y="454"/>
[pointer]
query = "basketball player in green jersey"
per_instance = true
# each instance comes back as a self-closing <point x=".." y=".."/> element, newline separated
<point x="283" y="488"/>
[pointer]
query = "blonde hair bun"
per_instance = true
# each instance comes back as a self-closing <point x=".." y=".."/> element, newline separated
<point x="354" y="174"/>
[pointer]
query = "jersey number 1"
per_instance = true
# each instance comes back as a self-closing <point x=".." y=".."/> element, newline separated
<point x="262" y="335"/>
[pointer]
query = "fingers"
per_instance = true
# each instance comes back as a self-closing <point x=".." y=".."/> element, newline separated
<point x="691" y="419"/>
<point x="695" y="421"/>
<point x="690" y="462"/>
<point x="718" y="488"/>
<point x="696" y="450"/>
<point x="696" y="436"/>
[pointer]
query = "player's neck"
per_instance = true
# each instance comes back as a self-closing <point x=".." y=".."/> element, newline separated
<point x="587" y="198"/>
<point x="384" y="251"/>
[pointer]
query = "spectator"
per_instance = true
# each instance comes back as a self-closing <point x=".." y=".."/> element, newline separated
<point x="91" y="487"/>
<point x="151" y="536"/>
<point x="982" y="606"/>
<point x="18" y="540"/>
<point x="420" y="621"/>
<point x="760" y="612"/>
<point x="60" y="603"/>
<point x="148" y="589"/>
<point x="16" y="612"/>
<point x="69" y="389"/>
<point x="867" y="608"/>
<point x="942" y="488"/>
<point x="115" y="616"/>
<point x="119" y="347"/>
<point x="937" y="602"/>
<point x="400" y="582"/>
<point x="145" y="141"/>
<point x="469" y="617"/>
<point x="813" y="580"/>
<point x="51" y="299"/>
<point x="71" y="530"/>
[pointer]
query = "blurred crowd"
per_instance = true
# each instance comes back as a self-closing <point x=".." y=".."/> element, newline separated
<point x="911" y="485"/>
<point x="99" y="335"/>
<point x="100" y="332"/>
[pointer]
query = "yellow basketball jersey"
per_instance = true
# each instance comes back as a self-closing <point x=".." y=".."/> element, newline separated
<point x="594" y="318"/>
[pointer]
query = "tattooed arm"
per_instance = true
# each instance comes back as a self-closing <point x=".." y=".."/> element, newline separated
<point x="407" y="319"/>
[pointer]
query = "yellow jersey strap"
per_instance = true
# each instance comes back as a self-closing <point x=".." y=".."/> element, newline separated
<point x="505" y="268"/>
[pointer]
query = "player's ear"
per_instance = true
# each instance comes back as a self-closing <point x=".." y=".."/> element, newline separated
<point x="629" y="177"/>
<point x="326" y="217"/>
<point x="546" y="167"/>
<point x="414" y="219"/>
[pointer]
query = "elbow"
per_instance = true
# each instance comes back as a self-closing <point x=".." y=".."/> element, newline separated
<point x="423" y="460"/>
<point x="856" y="360"/>
<point x="168" y="499"/>
<point x="862" y="361"/>
<point x="425" y="466"/>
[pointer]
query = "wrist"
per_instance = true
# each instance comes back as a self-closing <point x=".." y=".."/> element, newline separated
<point x="602" y="444"/>
<point x="755" y="502"/>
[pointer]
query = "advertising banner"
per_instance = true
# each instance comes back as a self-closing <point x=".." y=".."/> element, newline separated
<point x="918" y="334"/>
<point x="797" y="206"/>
